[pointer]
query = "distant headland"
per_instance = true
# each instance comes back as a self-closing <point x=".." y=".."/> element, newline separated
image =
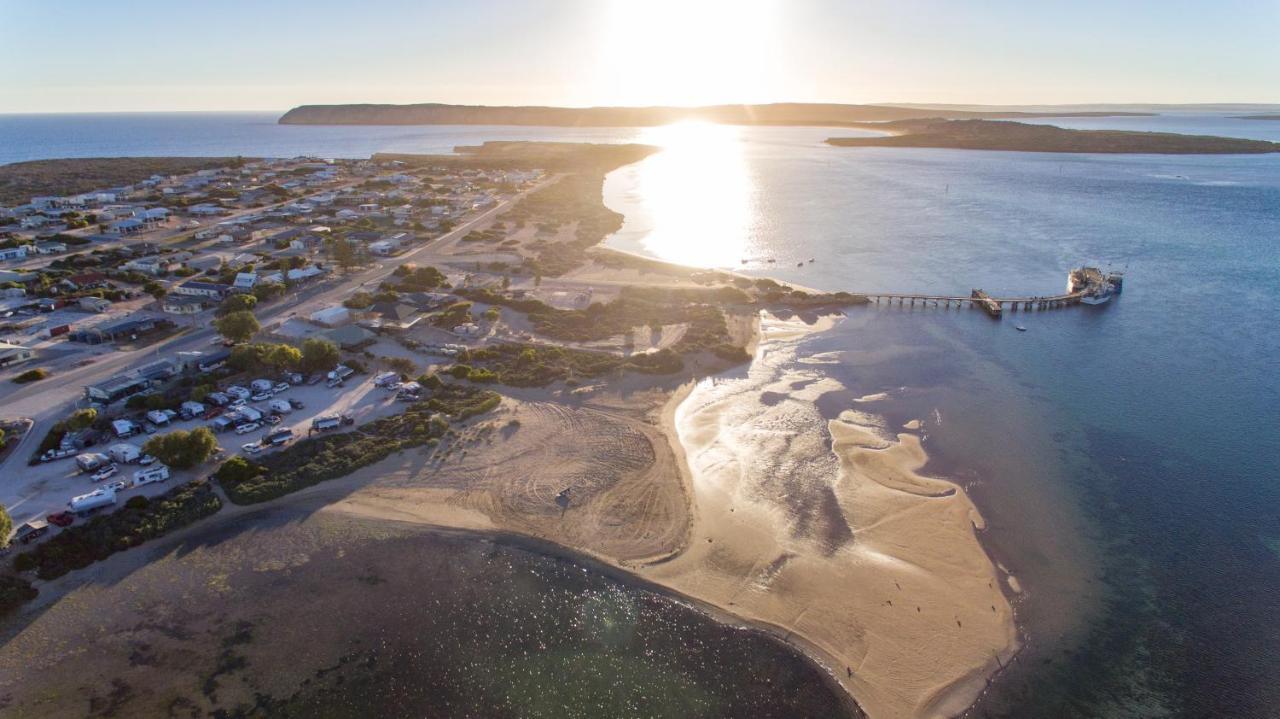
<point x="970" y="134"/>
<point x="798" y="114"/>
<point x="1258" y="117"/>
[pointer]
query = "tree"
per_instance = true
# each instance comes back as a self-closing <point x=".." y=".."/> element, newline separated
<point x="155" y="289"/>
<point x="6" y="526"/>
<point x="181" y="449"/>
<point x="318" y="355"/>
<point x="282" y="357"/>
<point x="237" y="303"/>
<point x="344" y="254"/>
<point x="268" y="291"/>
<point x="237" y="326"/>
<point x="492" y="314"/>
<point x="82" y="419"/>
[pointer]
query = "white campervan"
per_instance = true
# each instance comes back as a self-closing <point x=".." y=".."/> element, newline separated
<point x="158" y="473"/>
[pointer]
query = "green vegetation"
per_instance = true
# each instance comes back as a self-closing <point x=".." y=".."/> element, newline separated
<point x="14" y="592"/>
<point x="578" y="199"/>
<point x="237" y="303"/>
<point x="237" y="326"/>
<point x="20" y="181"/>
<point x="635" y="307"/>
<point x="411" y="278"/>
<point x="329" y="456"/>
<point x="155" y="289"/>
<point x="80" y="545"/>
<point x="182" y="449"/>
<point x="318" y="355"/>
<point x="537" y="366"/>
<point x="31" y="375"/>
<point x="6" y="526"/>
<point x="1023" y="137"/>
<point x="455" y="314"/>
<point x="260" y="356"/>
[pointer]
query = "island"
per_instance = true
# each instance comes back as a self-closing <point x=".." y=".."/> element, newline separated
<point x="1257" y="117"/>
<point x="968" y="134"/>
<point x="786" y="113"/>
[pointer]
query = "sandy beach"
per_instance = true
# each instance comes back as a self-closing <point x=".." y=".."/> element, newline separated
<point x="735" y="493"/>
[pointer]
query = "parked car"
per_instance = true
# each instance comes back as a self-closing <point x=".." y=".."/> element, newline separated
<point x="252" y="447"/>
<point x="236" y="404"/>
<point x="278" y="437"/>
<point x="262" y="397"/>
<point x="106" y="472"/>
<point x="272" y="419"/>
<point x="293" y="378"/>
<point x="335" y="382"/>
<point x="61" y="519"/>
<point x="296" y="403"/>
<point x="30" y="531"/>
<point x="213" y="412"/>
<point x="247" y="427"/>
<point x="117" y="486"/>
<point x="146" y="459"/>
<point x="238" y="392"/>
<point x="281" y="387"/>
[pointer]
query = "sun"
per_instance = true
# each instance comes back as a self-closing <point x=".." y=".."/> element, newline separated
<point x="687" y="52"/>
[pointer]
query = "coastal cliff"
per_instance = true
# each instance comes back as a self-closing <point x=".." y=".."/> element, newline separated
<point x="811" y="114"/>
<point x="1023" y="137"/>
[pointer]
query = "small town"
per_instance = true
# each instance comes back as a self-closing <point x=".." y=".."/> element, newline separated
<point x="107" y="300"/>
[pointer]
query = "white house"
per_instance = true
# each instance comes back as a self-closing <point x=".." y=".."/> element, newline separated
<point x="13" y="253"/>
<point x="246" y="280"/>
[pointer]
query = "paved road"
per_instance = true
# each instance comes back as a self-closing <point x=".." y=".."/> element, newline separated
<point x="49" y="400"/>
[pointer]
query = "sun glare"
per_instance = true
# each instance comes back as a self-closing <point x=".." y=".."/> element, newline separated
<point x="687" y="52"/>
<point x="697" y="193"/>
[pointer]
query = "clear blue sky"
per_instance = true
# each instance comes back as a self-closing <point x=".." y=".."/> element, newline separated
<point x="73" y="55"/>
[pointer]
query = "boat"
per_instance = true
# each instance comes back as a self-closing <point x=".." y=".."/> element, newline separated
<point x="1020" y="328"/>
<point x="799" y="264"/>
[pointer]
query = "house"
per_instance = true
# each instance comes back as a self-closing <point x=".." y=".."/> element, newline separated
<point x="22" y="278"/>
<point x="94" y="304"/>
<point x="204" y="263"/>
<point x="155" y="216"/>
<point x="395" y="315"/>
<point x="384" y="248"/>
<point x="300" y="274"/>
<point x="159" y="370"/>
<point x="49" y="247"/>
<point x="88" y="280"/>
<point x="332" y="316"/>
<point x="154" y="266"/>
<point x="175" y="304"/>
<point x="124" y="329"/>
<point x="126" y="227"/>
<point x="350" y="337"/>
<point x="116" y="389"/>
<point x="197" y="288"/>
<point x="246" y="280"/>
<point x="205" y="209"/>
<point x="13" y="253"/>
<point x="11" y="354"/>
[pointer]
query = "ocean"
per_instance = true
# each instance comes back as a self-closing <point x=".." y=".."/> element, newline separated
<point x="1125" y="456"/>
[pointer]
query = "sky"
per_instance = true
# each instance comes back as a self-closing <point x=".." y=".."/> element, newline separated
<point x="142" y="55"/>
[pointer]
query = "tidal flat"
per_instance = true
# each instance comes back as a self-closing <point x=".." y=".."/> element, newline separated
<point x="288" y="612"/>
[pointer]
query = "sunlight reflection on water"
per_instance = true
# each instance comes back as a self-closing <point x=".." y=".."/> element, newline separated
<point x="698" y="193"/>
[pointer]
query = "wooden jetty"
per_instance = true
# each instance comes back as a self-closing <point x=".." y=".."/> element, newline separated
<point x="1082" y="282"/>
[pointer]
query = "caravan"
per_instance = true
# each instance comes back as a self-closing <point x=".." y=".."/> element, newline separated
<point x="158" y="473"/>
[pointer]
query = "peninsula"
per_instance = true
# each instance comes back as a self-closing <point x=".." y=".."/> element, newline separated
<point x="970" y="134"/>
<point x="787" y="113"/>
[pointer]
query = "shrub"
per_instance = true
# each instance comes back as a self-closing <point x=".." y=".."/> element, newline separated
<point x="14" y="591"/>
<point x="182" y="449"/>
<point x="31" y="375"/>
<point x="137" y="502"/>
<point x="79" y="546"/>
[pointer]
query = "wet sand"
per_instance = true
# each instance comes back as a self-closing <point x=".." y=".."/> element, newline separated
<point x="826" y="529"/>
